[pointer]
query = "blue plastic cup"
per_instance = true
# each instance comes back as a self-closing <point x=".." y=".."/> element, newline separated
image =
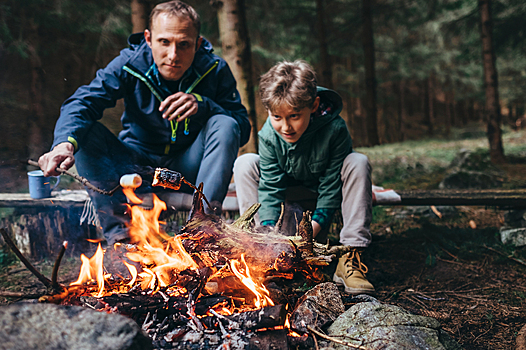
<point x="39" y="185"/>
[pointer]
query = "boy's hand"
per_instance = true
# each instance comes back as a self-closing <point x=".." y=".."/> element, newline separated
<point x="179" y="106"/>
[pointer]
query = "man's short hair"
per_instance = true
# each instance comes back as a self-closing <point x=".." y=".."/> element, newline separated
<point x="179" y="9"/>
<point x="290" y="83"/>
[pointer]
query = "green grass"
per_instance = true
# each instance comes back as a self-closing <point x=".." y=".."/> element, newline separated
<point x="423" y="164"/>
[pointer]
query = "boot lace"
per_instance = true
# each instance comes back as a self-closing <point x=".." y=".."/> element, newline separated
<point x="354" y="263"/>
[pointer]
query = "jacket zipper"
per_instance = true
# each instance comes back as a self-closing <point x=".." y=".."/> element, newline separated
<point x="173" y="125"/>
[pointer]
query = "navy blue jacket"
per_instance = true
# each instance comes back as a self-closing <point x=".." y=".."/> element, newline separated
<point x="133" y="76"/>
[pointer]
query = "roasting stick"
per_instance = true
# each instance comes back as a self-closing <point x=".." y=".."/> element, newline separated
<point x="79" y="178"/>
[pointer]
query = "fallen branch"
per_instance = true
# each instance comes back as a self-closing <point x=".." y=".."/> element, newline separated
<point x="22" y="258"/>
<point x="7" y="294"/>
<point x="54" y="275"/>
<point x="334" y="340"/>
<point x="507" y="256"/>
<point x="80" y="179"/>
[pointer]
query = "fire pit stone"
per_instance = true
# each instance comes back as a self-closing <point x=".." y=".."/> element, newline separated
<point x="27" y="326"/>
<point x="374" y="325"/>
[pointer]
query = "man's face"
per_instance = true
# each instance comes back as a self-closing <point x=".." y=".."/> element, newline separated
<point x="173" y="41"/>
<point x="291" y="123"/>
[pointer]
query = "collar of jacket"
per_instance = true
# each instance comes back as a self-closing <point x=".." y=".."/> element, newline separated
<point x="142" y="60"/>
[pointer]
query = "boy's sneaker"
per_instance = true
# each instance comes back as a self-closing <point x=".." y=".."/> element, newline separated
<point x="350" y="273"/>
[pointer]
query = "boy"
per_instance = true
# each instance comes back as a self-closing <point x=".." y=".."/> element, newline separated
<point x="306" y="143"/>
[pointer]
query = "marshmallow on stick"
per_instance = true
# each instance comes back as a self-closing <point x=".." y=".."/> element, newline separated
<point x="131" y="180"/>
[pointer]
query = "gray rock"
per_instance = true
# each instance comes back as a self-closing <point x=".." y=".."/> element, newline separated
<point x="389" y="327"/>
<point x="318" y="307"/>
<point x="513" y="236"/>
<point x="27" y="326"/>
<point x="472" y="169"/>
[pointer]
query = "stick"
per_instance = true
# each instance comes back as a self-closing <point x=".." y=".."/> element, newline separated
<point x="321" y="335"/>
<point x="7" y="294"/>
<point x="80" y="179"/>
<point x="54" y="275"/>
<point x="507" y="256"/>
<point x="30" y="267"/>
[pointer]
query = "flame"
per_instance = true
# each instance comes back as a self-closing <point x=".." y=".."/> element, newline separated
<point x="161" y="258"/>
<point x="92" y="269"/>
<point x="259" y="290"/>
<point x="130" y="194"/>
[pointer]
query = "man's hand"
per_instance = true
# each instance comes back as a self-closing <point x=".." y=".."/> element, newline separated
<point x="61" y="156"/>
<point x="179" y="106"/>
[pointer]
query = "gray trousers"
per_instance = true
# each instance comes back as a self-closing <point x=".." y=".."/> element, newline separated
<point x="356" y="191"/>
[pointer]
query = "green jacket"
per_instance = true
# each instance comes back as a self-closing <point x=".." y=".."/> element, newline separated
<point x="314" y="161"/>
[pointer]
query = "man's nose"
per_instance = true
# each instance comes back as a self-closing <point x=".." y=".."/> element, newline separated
<point x="172" y="53"/>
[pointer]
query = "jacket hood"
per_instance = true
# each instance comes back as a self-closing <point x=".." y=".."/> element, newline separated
<point x="330" y="107"/>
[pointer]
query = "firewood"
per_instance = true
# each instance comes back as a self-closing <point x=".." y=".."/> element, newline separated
<point x="306" y="234"/>
<point x="267" y="317"/>
<point x="245" y="221"/>
<point x="54" y="275"/>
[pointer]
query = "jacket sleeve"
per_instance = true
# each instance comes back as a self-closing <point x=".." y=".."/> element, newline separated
<point x="86" y="105"/>
<point x="330" y="187"/>
<point x="226" y="101"/>
<point x="272" y="183"/>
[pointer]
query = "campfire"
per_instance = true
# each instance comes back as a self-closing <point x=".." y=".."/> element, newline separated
<point x="209" y="279"/>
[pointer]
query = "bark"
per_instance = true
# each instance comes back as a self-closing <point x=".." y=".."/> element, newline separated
<point x="449" y="113"/>
<point x="139" y="15"/>
<point x="402" y="113"/>
<point x="325" y="61"/>
<point x="429" y="105"/>
<point x="492" y="106"/>
<point x="235" y="42"/>
<point x="370" y="75"/>
<point x="36" y="145"/>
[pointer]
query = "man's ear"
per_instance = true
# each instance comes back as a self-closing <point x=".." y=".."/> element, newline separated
<point x="198" y="43"/>
<point x="148" y="37"/>
<point x="316" y="104"/>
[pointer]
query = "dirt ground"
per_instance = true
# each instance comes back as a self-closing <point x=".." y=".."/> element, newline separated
<point x="443" y="268"/>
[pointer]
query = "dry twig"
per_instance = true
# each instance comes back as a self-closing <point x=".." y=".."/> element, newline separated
<point x="22" y="258"/>
<point x="54" y="275"/>
<point x="334" y="340"/>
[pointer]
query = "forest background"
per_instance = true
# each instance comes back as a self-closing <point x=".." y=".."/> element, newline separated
<point x="406" y="69"/>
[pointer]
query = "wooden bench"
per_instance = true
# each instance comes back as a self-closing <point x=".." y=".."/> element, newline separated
<point x="40" y="225"/>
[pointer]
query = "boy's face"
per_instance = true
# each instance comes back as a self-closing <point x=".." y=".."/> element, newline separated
<point x="291" y="123"/>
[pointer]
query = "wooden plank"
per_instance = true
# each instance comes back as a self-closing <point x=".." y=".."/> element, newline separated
<point x="501" y="198"/>
<point x="63" y="199"/>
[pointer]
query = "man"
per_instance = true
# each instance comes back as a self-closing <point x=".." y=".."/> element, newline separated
<point x="182" y="112"/>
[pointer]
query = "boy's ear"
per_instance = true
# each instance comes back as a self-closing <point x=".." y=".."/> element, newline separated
<point x="316" y="104"/>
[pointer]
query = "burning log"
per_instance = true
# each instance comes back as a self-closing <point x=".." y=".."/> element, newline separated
<point x="266" y="317"/>
<point x="306" y="234"/>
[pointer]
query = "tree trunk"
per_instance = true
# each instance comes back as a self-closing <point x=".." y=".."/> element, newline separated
<point x="429" y="105"/>
<point x="36" y="144"/>
<point x="401" y="110"/>
<point x="325" y="61"/>
<point x="492" y="107"/>
<point x="139" y="15"/>
<point x="236" y="51"/>
<point x="370" y="75"/>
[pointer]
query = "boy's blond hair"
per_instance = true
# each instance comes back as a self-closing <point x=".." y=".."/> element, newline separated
<point x="290" y="83"/>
